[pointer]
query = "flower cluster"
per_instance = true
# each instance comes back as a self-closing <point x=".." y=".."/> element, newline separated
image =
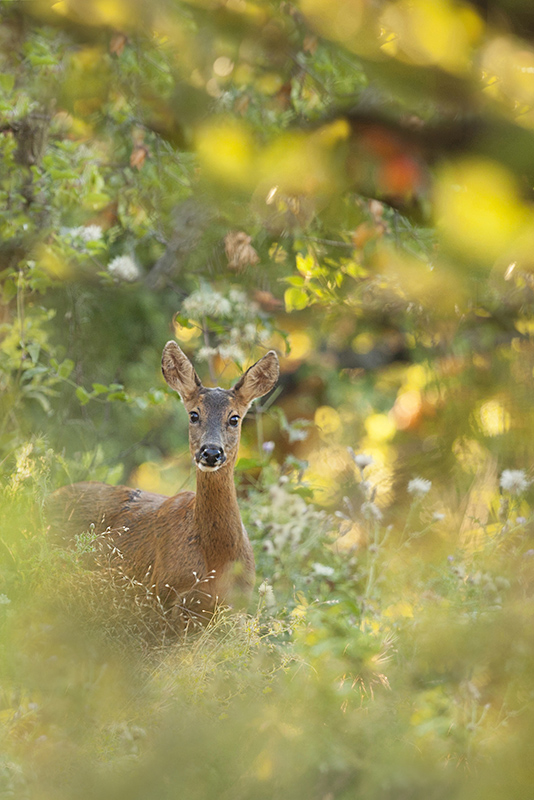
<point x="265" y="591"/>
<point x="82" y="234"/>
<point x="88" y="233"/>
<point x="124" y="268"/>
<point x="287" y="519"/>
<point x="368" y="509"/>
<point x="239" y="327"/>
<point x="206" y="302"/>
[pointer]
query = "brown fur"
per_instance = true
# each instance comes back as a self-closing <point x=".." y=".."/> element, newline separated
<point x="190" y="544"/>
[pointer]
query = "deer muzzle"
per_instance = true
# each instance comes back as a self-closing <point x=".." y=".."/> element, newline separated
<point x="210" y="457"/>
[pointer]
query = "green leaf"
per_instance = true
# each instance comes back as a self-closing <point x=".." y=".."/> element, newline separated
<point x="7" y="82"/>
<point x="295" y="299"/>
<point x="156" y="396"/>
<point x="114" y="474"/>
<point x="65" y="368"/>
<point x="183" y="321"/>
<point x="33" y="350"/>
<point x="248" y="463"/>
<point x="42" y="400"/>
<point x="295" y="280"/>
<point x="62" y="174"/>
<point x="31" y="372"/>
<point x="99" y="388"/>
<point x="82" y="395"/>
<point x="96" y="200"/>
<point x="122" y="396"/>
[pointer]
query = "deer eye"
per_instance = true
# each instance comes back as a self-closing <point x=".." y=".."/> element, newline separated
<point x="194" y="417"/>
<point x="234" y="421"/>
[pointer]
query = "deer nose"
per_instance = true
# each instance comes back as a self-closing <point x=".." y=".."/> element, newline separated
<point x="211" y="455"/>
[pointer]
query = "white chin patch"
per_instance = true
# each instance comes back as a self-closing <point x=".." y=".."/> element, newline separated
<point x="205" y="468"/>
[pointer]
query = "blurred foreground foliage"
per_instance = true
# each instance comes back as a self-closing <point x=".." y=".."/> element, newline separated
<point x="401" y="669"/>
<point x="349" y="182"/>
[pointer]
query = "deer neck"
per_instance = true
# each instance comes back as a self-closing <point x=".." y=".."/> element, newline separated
<point x="217" y="516"/>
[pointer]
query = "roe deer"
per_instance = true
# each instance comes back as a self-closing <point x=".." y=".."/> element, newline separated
<point x="174" y="544"/>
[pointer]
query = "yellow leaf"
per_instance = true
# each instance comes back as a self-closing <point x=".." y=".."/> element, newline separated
<point x="305" y="264"/>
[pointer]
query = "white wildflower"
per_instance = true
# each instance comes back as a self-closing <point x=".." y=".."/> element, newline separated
<point x="249" y="332"/>
<point x="124" y="268"/>
<point x="237" y="297"/>
<point x="68" y="233"/>
<point x="293" y="504"/>
<point x="231" y="352"/>
<point x="437" y="516"/>
<point x="323" y="570"/>
<point x="224" y="308"/>
<point x="267" y="447"/>
<point x="192" y="307"/>
<point x="265" y="590"/>
<point x="206" y="302"/>
<point x="419" y="486"/>
<point x="362" y="460"/>
<point x="514" y="481"/>
<point x="371" y="511"/>
<point x="365" y="487"/>
<point x="205" y="353"/>
<point x="89" y="233"/>
<point x="4" y="600"/>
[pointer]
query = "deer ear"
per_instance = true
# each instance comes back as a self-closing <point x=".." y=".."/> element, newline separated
<point x="258" y="379"/>
<point x="179" y="372"/>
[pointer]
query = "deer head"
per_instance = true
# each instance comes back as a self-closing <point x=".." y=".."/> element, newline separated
<point x="215" y="415"/>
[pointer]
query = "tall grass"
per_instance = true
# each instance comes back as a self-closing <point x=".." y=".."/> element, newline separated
<point x="399" y="669"/>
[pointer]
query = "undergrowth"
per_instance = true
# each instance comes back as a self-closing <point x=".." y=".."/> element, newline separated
<point x="377" y="661"/>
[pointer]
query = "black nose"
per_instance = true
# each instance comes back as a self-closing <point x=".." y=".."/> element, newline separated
<point x="211" y="455"/>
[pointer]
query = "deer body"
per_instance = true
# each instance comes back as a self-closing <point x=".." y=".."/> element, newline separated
<point x="175" y="544"/>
